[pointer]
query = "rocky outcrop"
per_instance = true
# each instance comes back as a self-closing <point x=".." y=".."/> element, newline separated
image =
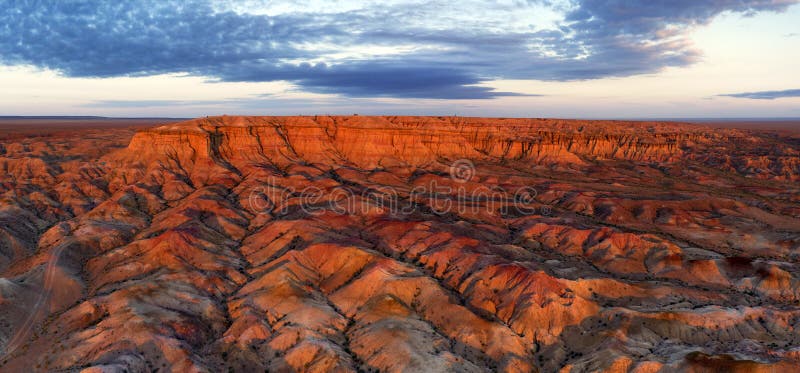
<point x="370" y="142"/>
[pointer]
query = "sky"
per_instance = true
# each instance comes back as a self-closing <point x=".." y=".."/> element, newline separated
<point x="523" y="58"/>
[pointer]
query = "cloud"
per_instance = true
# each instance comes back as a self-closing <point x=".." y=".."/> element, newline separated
<point x="398" y="49"/>
<point x="407" y="80"/>
<point x="257" y="104"/>
<point x="766" y="95"/>
<point x="622" y="37"/>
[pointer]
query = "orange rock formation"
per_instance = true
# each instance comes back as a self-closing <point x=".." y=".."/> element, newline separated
<point x="320" y="244"/>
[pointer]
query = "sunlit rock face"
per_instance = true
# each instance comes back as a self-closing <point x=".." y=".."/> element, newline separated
<point x="400" y="244"/>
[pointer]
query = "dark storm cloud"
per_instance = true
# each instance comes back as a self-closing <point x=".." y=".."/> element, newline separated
<point x="766" y="95"/>
<point x="596" y="39"/>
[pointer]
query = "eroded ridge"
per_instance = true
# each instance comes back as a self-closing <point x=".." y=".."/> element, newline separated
<point x="320" y="244"/>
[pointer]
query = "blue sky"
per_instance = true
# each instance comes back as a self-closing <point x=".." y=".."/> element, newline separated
<point x="570" y="58"/>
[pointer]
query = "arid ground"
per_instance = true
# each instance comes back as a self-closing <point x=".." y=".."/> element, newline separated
<point x="416" y="244"/>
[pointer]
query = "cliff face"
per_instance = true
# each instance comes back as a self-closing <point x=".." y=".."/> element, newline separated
<point x="373" y="142"/>
<point x="370" y="142"/>
<point x="400" y="244"/>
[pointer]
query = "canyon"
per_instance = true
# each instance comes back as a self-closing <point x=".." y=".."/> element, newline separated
<point x="394" y="244"/>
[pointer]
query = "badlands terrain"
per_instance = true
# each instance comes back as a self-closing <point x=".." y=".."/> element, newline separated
<point x="388" y="244"/>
